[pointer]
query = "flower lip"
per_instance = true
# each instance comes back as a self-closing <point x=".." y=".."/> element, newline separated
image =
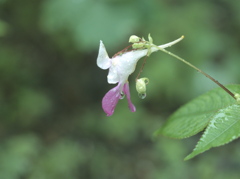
<point x="110" y="100"/>
<point x="112" y="97"/>
<point x="127" y="92"/>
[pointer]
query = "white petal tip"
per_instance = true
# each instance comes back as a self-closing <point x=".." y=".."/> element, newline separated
<point x="103" y="61"/>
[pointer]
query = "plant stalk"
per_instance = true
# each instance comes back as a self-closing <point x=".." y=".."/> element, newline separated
<point x="205" y="74"/>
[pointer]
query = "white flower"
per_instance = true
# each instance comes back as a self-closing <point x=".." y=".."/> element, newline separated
<point x="120" y="67"/>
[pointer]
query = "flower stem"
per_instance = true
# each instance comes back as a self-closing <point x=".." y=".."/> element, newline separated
<point x="205" y="74"/>
<point x="122" y="51"/>
<point x="144" y="62"/>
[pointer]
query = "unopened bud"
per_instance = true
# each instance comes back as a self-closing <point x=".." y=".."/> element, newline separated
<point x="150" y="39"/>
<point x="138" y="45"/>
<point x="141" y="87"/>
<point x="237" y="97"/>
<point x="134" y="39"/>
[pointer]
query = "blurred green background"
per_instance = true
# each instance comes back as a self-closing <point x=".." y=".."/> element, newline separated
<point x="51" y="122"/>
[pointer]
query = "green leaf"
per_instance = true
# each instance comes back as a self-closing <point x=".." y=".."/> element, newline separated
<point x="223" y="128"/>
<point x="194" y="116"/>
<point x="215" y="110"/>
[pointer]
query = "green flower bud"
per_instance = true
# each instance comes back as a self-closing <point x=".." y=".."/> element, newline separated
<point x="138" y="45"/>
<point x="150" y="39"/>
<point x="237" y="96"/>
<point x="141" y="87"/>
<point x="134" y="39"/>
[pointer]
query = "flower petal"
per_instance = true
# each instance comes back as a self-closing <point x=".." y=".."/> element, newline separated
<point x="124" y="65"/>
<point x="103" y="60"/>
<point x="113" y="76"/>
<point x="111" y="99"/>
<point x="127" y="92"/>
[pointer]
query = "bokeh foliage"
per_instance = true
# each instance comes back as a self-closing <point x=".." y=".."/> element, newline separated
<point x="51" y="121"/>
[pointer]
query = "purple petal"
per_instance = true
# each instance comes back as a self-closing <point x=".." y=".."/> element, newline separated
<point x="111" y="99"/>
<point x="127" y="92"/>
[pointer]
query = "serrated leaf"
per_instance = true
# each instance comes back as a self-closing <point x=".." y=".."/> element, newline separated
<point x="222" y="129"/>
<point x="195" y="115"/>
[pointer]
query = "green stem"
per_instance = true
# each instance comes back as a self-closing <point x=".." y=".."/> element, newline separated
<point x="189" y="64"/>
<point x="144" y="62"/>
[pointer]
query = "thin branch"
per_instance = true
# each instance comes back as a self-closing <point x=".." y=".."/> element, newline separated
<point x="144" y="62"/>
<point x="205" y="74"/>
